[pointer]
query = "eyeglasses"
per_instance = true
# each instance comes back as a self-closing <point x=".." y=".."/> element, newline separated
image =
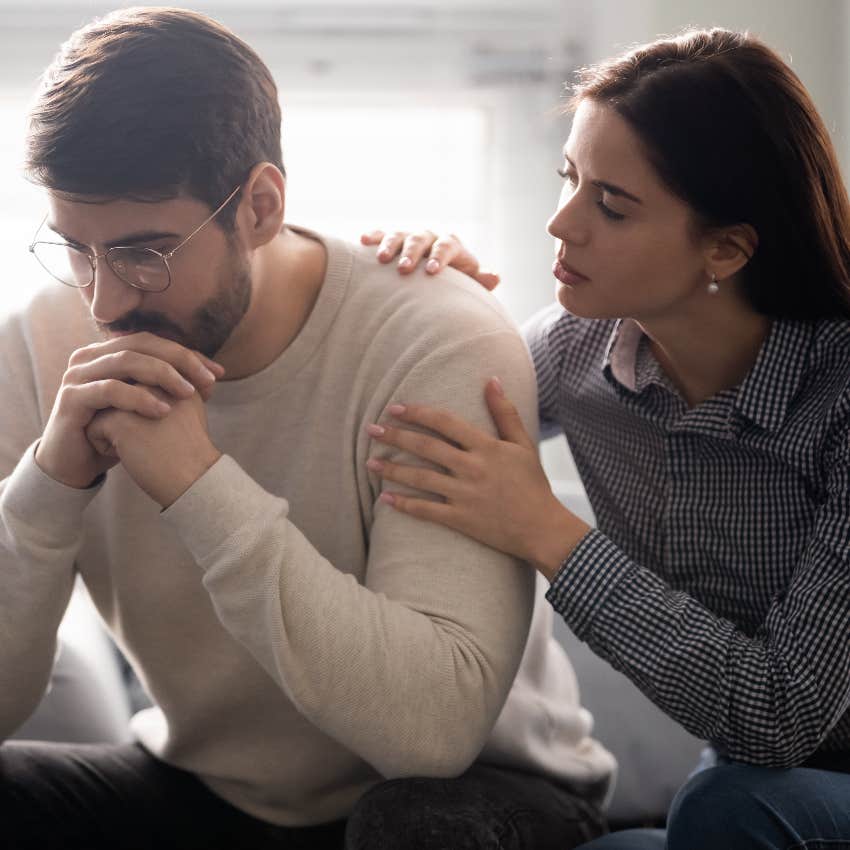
<point x="141" y="268"/>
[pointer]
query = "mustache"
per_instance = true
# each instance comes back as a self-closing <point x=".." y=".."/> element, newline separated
<point x="154" y="323"/>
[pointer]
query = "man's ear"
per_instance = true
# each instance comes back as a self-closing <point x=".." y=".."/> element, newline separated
<point x="262" y="205"/>
<point x="729" y="249"/>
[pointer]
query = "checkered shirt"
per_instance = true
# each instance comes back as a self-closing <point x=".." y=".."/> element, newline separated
<point x="718" y="576"/>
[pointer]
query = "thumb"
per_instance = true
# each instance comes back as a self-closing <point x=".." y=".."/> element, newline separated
<point x="505" y="415"/>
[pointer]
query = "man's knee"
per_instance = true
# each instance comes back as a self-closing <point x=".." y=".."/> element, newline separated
<point x="488" y="808"/>
<point x="419" y="814"/>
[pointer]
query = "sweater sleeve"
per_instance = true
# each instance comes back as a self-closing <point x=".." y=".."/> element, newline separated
<point x="40" y="535"/>
<point x="410" y="669"/>
<point x="770" y="698"/>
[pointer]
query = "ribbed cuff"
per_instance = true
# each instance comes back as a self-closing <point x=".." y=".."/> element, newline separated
<point x="222" y="502"/>
<point x="586" y="579"/>
<point x="50" y="510"/>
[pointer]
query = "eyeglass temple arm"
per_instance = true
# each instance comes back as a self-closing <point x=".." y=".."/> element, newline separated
<point x="204" y="223"/>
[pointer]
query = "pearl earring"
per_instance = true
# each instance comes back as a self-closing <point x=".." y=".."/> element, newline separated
<point x="714" y="286"/>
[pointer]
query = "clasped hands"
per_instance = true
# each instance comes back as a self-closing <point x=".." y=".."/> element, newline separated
<point x="138" y="400"/>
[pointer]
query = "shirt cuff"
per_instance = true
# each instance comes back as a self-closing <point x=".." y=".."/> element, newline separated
<point x="586" y="579"/>
<point x="42" y="504"/>
<point x="225" y="501"/>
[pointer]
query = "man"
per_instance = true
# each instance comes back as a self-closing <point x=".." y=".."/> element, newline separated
<point x="187" y="426"/>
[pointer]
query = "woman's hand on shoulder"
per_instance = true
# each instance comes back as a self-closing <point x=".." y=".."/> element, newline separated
<point x="438" y="252"/>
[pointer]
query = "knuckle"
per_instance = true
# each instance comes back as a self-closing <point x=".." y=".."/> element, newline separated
<point x="80" y="356"/>
<point x="419" y="443"/>
<point x="123" y="358"/>
<point x="72" y="376"/>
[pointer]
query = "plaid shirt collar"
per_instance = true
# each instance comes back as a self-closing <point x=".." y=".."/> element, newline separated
<point x="763" y="397"/>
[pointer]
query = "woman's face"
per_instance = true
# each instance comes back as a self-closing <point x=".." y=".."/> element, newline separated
<point x="627" y="247"/>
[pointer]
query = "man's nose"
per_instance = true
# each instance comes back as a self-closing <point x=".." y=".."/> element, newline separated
<point x="109" y="297"/>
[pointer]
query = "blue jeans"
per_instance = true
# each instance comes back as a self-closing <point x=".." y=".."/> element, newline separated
<point x="735" y="806"/>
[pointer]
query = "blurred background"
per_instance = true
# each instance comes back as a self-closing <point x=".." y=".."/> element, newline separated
<point x="438" y="113"/>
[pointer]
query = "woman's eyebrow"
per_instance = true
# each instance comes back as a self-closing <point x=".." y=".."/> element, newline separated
<point x="611" y="188"/>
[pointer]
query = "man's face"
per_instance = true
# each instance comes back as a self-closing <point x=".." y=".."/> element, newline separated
<point x="210" y="279"/>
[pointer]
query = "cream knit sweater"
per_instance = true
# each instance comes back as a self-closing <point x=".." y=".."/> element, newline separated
<point x="300" y="641"/>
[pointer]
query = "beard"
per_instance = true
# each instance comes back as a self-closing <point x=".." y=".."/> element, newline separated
<point x="211" y="324"/>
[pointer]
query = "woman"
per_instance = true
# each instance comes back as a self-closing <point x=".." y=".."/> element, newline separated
<point x="698" y="361"/>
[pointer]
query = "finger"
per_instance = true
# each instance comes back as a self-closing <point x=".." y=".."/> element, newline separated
<point x="193" y="365"/>
<point x="488" y="280"/>
<point x="429" y="511"/>
<point x="457" y="430"/>
<point x="421" y="445"/>
<point x="101" y="395"/>
<point x="374" y="237"/>
<point x="132" y="366"/>
<point x="390" y="246"/>
<point x="415" y="477"/>
<point x="444" y="252"/>
<point x="96" y="434"/>
<point x="415" y="247"/>
<point x="505" y="415"/>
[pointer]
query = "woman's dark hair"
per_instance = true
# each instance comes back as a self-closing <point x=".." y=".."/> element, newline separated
<point x="731" y="130"/>
<point x="149" y="103"/>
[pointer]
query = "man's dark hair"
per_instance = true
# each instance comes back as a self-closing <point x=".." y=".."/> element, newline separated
<point x="150" y="103"/>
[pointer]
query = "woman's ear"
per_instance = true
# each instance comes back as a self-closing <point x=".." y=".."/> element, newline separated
<point x="261" y="209"/>
<point x="729" y="249"/>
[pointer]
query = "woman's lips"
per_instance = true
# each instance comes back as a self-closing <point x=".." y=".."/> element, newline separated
<point x="567" y="275"/>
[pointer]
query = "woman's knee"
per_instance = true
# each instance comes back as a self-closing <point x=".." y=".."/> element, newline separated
<point x="730" y="806"/>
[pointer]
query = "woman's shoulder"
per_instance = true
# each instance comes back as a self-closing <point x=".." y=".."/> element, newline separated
<point x="827" y="373"/>
<point x="556" y="336"/>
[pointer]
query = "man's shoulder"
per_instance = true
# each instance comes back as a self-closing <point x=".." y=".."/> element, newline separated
<point x="448" y="305"/>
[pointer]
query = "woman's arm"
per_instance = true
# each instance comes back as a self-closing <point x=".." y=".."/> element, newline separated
<point x="769" y="698"/>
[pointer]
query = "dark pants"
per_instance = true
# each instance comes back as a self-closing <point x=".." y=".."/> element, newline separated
<point x="88" y="797"/>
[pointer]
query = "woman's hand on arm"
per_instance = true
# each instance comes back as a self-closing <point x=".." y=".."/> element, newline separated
<point x="494" y="489"/>
<point x="439" y="252"/>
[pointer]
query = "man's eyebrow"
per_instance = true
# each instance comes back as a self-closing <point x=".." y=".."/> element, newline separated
<point x="129" y="240"/>
<point x="612" y="189"/>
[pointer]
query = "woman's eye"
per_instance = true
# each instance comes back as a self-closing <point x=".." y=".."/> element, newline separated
<point x="562" y="172"/>
<point x="608" y="212"/>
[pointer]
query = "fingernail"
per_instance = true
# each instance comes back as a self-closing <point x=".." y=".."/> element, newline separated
<point x="383" y="254"/>
<point x="387" y="498"/>
<point x="374" y="465"/>
<point x="433" y="265"/>
<point x="162" y="407"/>
<point x="375" y="430"/>
<point x="498" y="384"/>
<point x="206" y="373"/>
<point x="405" y="263"/>
<point x="396" y="409"/>
<point x="186" y="386"/>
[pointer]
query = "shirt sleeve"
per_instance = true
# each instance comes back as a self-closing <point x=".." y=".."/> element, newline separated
<point x="409" y="669"/>
<point x="40" y="535"/>
<point x="770" y="698"/>
<point x="547" y="357"/>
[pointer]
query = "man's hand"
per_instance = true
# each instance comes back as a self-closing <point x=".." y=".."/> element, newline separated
<point x="164" y="456"/>
<point x="123" y="374"/>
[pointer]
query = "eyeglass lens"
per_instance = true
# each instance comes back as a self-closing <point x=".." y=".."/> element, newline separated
<point x="141" y="267"/>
